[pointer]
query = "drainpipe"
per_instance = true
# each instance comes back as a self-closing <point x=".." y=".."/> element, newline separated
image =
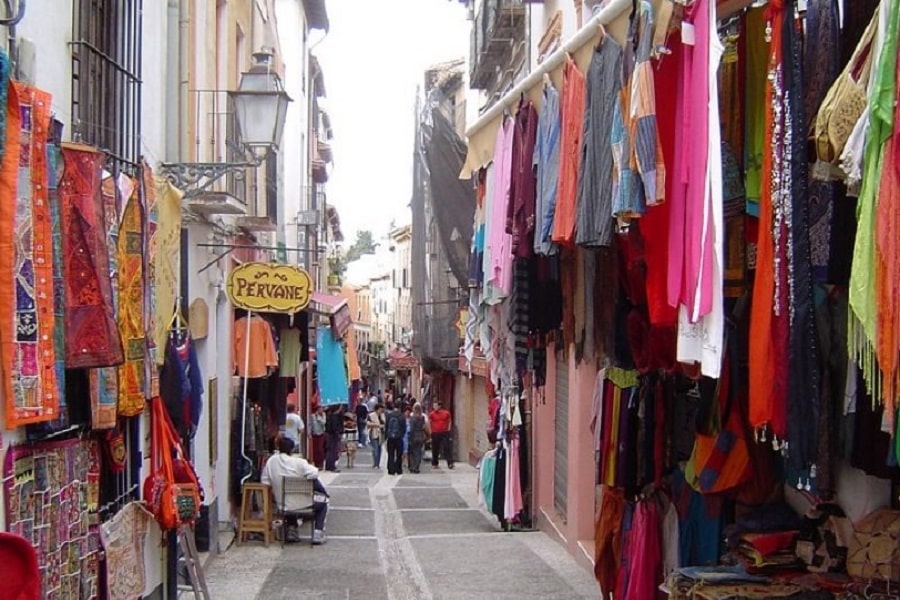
<point x="173" y="38"/>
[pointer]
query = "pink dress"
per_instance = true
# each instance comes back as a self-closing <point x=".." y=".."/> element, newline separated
<point x="690" y="243"/>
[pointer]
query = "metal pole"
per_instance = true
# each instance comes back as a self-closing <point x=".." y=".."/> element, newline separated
<point x="244" y="400"/>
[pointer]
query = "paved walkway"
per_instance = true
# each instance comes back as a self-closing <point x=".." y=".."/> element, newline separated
<point x="414" y="536"/>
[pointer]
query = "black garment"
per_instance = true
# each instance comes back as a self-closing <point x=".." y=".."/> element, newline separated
<point x="332" y="450"/>
<point x="803" y="376"/>
<point x="395" y="456"/>
<point x="394" y="425"/>
<point x="440" y="445"/>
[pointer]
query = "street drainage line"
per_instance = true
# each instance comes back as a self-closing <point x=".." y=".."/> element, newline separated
<point x="403" y="573"/>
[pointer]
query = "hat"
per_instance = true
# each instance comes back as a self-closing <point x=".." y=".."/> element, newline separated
<point x="19" y="575"/>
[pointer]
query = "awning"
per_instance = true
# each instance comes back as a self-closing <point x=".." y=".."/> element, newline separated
<point x="402" y="359"/>
<point x="336" y="308"/>
<point x="326" y="304"/>
<point x="316" y="14"/>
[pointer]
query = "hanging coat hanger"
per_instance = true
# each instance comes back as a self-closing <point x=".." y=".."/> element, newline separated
<point x="177" y="322"/>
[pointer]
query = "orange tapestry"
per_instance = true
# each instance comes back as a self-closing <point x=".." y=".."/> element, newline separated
<point x="27" y="268"/>
<point x="131" y="306"/>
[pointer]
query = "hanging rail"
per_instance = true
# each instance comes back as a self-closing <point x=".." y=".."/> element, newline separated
<point x="606" y="15"/>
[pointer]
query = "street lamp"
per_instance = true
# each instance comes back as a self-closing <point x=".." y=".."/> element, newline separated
<point x="260" y="107"/>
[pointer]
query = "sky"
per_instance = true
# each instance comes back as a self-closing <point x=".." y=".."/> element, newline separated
<point x="373" y="57"/>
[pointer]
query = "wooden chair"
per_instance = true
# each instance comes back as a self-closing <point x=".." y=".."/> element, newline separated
<point x="300" y="491"/>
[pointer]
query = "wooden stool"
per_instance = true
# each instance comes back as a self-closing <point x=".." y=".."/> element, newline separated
<point x="250" y="524"/>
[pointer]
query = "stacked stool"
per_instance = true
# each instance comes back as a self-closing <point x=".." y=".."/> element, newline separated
<point x="255" y="523"/>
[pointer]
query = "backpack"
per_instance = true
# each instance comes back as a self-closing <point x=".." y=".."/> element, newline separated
<point x="394" y="427"/>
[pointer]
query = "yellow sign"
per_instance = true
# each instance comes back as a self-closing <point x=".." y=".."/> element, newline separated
<point x="265" y="287"/>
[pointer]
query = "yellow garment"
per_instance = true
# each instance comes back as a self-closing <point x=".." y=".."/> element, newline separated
<point x="165" y="248"/>
<point x="131" y="307"/>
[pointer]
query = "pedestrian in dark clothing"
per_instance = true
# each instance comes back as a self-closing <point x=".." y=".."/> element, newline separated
<point x="418" y="433"/>
<point x="362" y="415"/>
<point x="334" y="431"/>
<point x="394" y="429"/>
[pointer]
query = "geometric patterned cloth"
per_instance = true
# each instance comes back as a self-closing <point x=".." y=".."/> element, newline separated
<point x="52" y="493"/>
<point x="131" y="305"/>
<point x="26" y="270"/>
<point x="123" y="541"/>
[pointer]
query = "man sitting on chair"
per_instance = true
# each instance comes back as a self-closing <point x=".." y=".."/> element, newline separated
<point x="283" y="464"/>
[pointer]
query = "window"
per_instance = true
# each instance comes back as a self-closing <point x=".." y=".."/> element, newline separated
<point x="106" y="78"/>
<point x="106" y="112"/>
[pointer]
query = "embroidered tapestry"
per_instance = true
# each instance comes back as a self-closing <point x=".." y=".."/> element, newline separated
<point x="29" y="354"/>
<point x="9" y="119"/>
<point x="131" y="306"/>
<point x="105" y="381"/>
<point x="166" y="261"/>
<point x="151" y="242"/>
<point x="52" y="491"/>
<point x="54" y="173"/>
<point x="123" y="543"/>
<point x="92" y="335"/>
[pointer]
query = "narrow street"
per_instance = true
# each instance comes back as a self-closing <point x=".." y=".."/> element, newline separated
<point x="408" y="537"/>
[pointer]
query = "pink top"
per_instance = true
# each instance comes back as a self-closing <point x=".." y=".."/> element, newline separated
<point x="499" y="243"/>
<point x="690" y="251"/>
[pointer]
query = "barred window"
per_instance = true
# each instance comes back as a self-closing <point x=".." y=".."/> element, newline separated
<point x="106" y="113"/>
<point x="106" y="78"/>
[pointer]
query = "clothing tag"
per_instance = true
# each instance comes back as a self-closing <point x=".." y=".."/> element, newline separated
<point x="688" y="34"/>
<point x="821" y="171"/>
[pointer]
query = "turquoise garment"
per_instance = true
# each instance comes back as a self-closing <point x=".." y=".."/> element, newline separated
<point x="334" y="385"/>
<point x="486" y="475"/>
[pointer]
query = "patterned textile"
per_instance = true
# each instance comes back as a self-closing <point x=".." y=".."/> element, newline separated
<point x="131" y="306"/>
<point x="165" y="246"/>
<point x="151" y="207"/>
<point x="105" y="381"/>
<point x="92" y="337"/>
<point x="123" y="541"/>
<point x="52" y="492"/>
<point x="54" y="171"/>
<point x="29" y="354"/>
<point x="8" y="167"/>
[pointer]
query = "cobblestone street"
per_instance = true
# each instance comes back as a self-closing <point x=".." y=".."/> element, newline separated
<point x="408" y="537"/>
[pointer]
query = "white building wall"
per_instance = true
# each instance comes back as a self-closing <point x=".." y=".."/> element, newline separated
<point x="295" y="56"/>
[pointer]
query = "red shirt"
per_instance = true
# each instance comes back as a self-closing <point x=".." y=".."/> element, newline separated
<point x="440" y="420"/>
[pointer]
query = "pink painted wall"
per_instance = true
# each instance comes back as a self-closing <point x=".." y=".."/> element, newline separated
<point x="578" y="523"/>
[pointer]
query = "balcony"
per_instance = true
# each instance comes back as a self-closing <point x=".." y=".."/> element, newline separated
<point x="214" y="130"/>
<point x="498" y="27"/>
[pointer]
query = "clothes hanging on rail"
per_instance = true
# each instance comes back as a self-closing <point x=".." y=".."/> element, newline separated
<point x="181" y="384"/>
<point x="262" y="355"/>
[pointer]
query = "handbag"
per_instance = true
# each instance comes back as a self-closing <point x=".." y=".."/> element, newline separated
<point x="172" y="494"/>
<point x="720" y="460"/>
<point x="845" y="101"/>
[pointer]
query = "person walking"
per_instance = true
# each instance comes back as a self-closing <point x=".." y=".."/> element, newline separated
<point x="362" y="414"/>
<point x="441" y="421"/>
<point x="394" y="429"/>
<point x="317" y="432"/>
<point x="375" y="429"/>
<point x="334" y="432"/>
<point x="418" y="433"/>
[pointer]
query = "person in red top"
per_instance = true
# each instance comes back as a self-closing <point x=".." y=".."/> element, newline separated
<point x="440" y="421"/>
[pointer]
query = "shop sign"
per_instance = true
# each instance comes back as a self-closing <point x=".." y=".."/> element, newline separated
<point x="268" y="287"/>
